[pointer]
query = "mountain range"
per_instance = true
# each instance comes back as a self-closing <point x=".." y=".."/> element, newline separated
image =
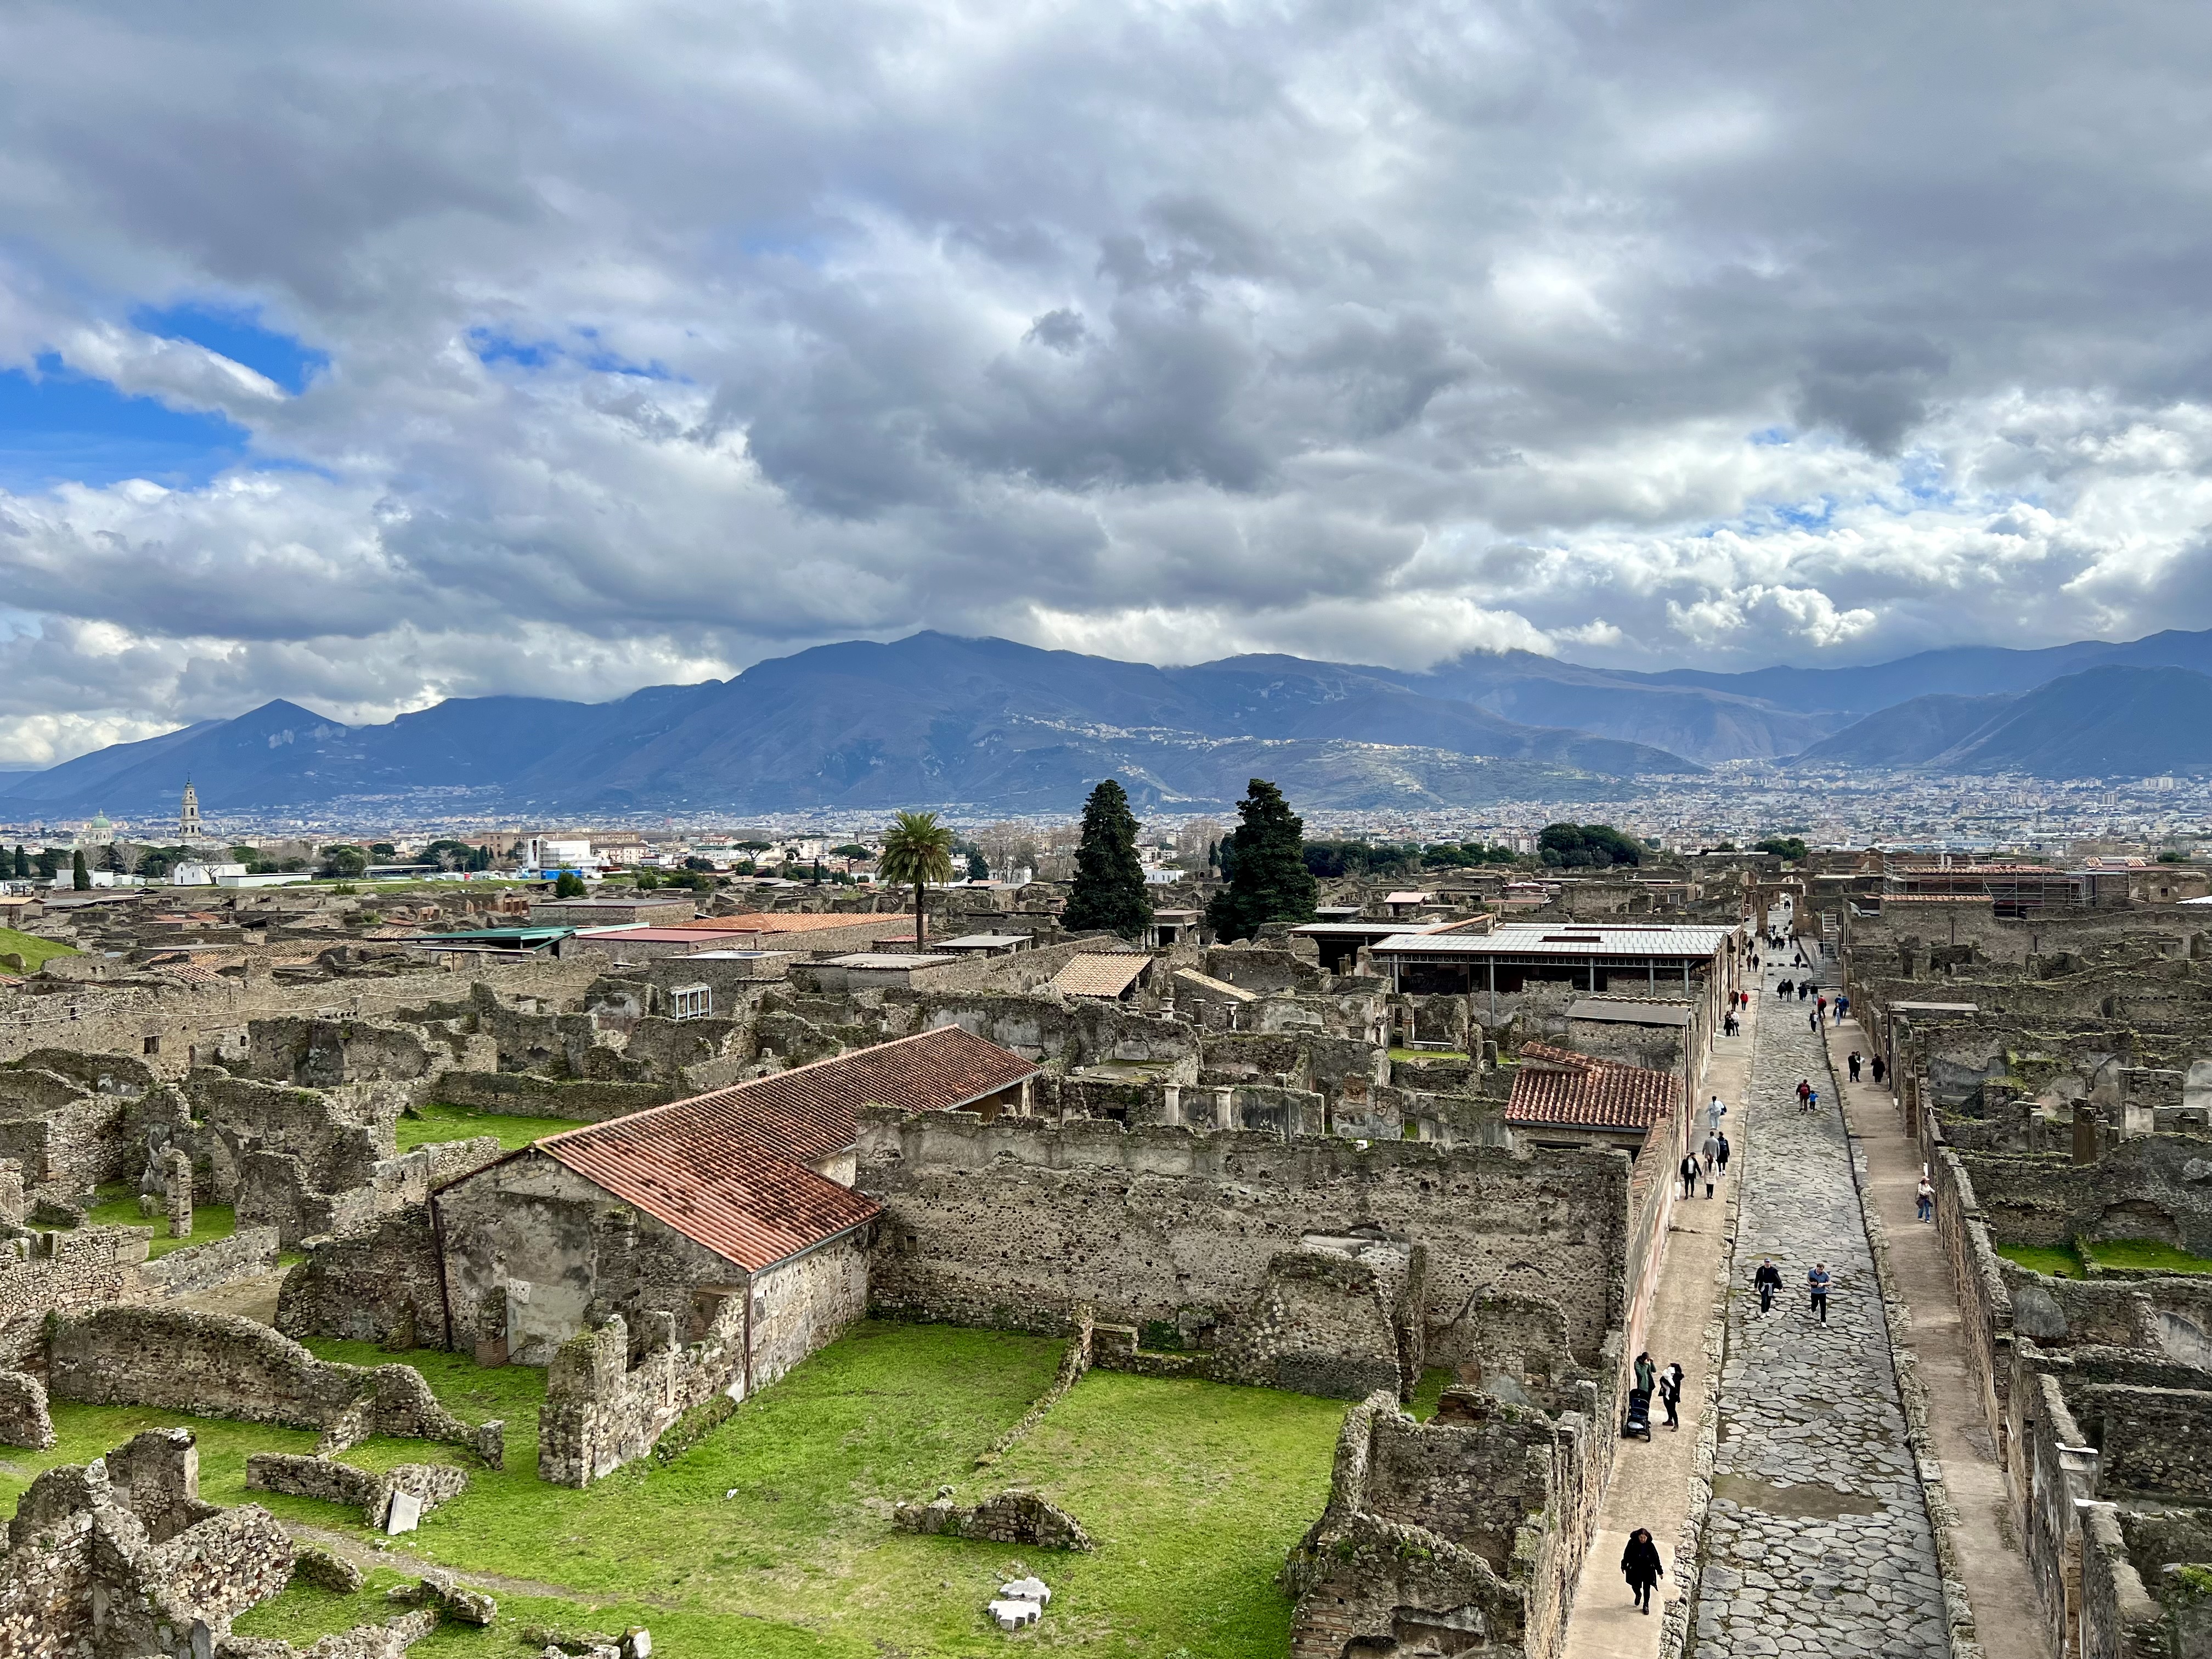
<point x="989" y="725"/>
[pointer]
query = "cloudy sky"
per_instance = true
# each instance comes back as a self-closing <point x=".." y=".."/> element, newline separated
<point x="365" y="356"/>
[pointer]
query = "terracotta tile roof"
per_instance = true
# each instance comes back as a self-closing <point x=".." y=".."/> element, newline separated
<point x="746" y="1204"/>
<point x="1556" y="1085"/>
<point x="728" y="1170"/>
<point x="788" y="921"/>
<point x="1101" y="976"/>
<point x="187" y="973"/>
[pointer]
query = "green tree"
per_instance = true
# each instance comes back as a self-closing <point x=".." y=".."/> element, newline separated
<point x="383" y="851"/>
<point x="917" y="850"/>
<point x="1788" y="847"/>
<point x="1265" y="861"/>
<point x="79" y="878"/>
<point x="979" y="867"/>
<point x="851" y="850"/>
<point x="646" y="881"/>
<point x="23" y="863"/>
<point x="1587" y="847"/>
<point x="1109" y="894"/>
<point x="344" y="860"/>
<point x="568" y="884"/>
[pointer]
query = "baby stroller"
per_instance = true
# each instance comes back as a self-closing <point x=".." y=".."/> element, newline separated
<point x="1638" y="1420"/>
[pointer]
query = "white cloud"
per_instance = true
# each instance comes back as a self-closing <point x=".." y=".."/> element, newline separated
<point x="659" y="342"/>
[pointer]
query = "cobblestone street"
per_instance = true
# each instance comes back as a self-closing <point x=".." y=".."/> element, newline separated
<point x="1818" y="1540"/>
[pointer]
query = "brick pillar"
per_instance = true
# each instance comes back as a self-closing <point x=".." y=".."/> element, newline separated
<point x="177" y="1178"/>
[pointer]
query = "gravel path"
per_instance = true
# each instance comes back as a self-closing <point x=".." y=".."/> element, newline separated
<point x="1818" y="1540"/>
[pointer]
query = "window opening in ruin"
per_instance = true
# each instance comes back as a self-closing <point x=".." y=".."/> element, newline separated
<point x="693" y="1002"/>
<point x="152" y="1045"/>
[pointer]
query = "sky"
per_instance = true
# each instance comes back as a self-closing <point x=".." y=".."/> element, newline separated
<point x="370" y="356"/>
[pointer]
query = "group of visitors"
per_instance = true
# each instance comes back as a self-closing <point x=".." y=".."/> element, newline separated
<point x="1639" y="1562"/>
<point x="1766" y="1279"/>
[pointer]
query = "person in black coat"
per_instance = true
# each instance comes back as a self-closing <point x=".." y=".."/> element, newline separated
<point x="1639" y="1564"/>
<point x="1769" y="1280"/>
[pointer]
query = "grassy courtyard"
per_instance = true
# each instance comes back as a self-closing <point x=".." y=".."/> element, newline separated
<point x="30" y="950"/>
<point x="119" y="1207"/>
<point x="427" y="1124"/>
<point x="771" y="1536"/>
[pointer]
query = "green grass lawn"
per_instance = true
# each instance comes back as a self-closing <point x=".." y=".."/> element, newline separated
<point x="2059" y="1261"/>
<point x="32" y="949"/>
<point x="1195" y="1492"/>
<point x="435" y="1123"/>
<point x="119" y="1207"/>
<point x="1417" y="1054"/>
<point x="2147" y="1255"/>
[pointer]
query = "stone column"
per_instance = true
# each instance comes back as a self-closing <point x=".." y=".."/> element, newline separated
<point x="177" y="1180"/>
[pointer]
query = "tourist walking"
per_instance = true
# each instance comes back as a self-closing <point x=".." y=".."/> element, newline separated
<point x="1647" y="1374"/>
<point x="1784" y="990"/>
<point x="1812" y="1020"/>
<point x="1769" y="1280"/>
<point x="1879" y="1069"/>
<point x="1639" y="1564"/>
<point x="1670" y="1393"/>
<point x="1842" y="1006"/>
<point x="1725" y="1154"/>
<point x="1816" y="1282"/>
<point x="1709" y="1155"/>
<point x="1813" y="1101"/>
<point x="1820" y="1006"/>
<point x="1923" y="1199"/>
<point x="1804" y="1088"/>
<point x="1689" y="1173"/>
<point x="1715" y="1111"/>
<point x="1852" y="1061"/>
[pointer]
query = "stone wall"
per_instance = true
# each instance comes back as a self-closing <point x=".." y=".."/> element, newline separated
<point x="365" y="1287"/>
<point x="601" y="1411"/>
<point x="246" y="1253"/>
<point x="2154" y="1187"/>
<point x="528" y="1096"/>
<point x="1463" y="1534"/>
<point x="1985" y="1308"/>
<point x="221" y="1365"/>
<point x="24" y="1418"/>
<point x="87" y="1268"/>
<point x="1065" y="1031"/>
<point x="370" y="1492"/>
<point x="2151" y="1443"/>
<point x="1018" y="1222"/>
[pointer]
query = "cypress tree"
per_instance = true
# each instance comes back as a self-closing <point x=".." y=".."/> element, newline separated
<point x="1265" y="861"/>
<point x="23" y="863"/>
<point x="79" y="878"/>
<point x="1110" y="883"/>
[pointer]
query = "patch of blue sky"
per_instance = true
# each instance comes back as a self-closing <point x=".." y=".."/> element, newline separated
<point x="1768" y="437"/>
<point x="57" y="427"/>
<point x="493" y="346"/>
<point x="237" y="333"/>
<point x="1921" y="473"/>
<point x="1807" y="515"/>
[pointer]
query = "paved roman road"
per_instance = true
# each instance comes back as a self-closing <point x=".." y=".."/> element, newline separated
<point x="1818" y="1539"/>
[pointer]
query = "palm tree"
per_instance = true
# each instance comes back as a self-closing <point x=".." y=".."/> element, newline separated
<point x="917" y="848"/>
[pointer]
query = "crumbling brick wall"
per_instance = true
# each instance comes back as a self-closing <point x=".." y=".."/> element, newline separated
<point x="221" y="1365"/>
<point x="1464" y="1535"/>
<point x="365" y="1286"/>
<point x="1020" y="1221"/>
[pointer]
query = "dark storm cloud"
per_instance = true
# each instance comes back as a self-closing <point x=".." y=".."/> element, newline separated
<point x="660" y="341"/>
